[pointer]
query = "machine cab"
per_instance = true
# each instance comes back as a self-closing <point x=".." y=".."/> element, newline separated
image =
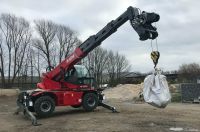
<point x="79" y="75"/>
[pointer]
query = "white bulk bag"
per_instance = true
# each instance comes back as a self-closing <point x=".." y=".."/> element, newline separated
<point x="156" y="90"/>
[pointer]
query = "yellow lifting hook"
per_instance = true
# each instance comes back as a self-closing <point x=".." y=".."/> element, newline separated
<point x="155" y="56"/>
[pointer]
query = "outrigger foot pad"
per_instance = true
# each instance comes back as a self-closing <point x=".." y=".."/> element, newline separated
<point x="113" y="109"/>
<point x="27" y="113"/>
<point x="31" y="116"/>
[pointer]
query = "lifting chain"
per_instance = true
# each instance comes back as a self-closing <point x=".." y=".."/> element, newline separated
<point x="155" y="54"/>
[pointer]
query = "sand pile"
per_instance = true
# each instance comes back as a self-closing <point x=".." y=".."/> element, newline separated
<point x="9" y="92"/>
<point x="123" y="92"/>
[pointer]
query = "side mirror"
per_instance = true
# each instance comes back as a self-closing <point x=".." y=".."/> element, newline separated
<point x="49" y="68"/>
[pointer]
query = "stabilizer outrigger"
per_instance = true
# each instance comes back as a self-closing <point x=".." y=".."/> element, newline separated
<point x="23" y="103"/>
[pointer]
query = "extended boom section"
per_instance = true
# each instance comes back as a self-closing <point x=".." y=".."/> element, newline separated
<point x="141" y="22"/>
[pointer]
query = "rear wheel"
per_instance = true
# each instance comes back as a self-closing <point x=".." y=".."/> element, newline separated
<point x="44" y="106"/>
<point x="90" y="101"/>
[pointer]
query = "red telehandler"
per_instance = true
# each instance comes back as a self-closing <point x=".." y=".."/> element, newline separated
<point x="68" y="84"/>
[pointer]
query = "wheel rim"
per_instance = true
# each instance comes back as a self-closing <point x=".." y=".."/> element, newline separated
<point x="91" y="101"/>
<point x="45" y="106"/>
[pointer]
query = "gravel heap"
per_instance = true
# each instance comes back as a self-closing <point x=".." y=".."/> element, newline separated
<point x="123" y="92"/>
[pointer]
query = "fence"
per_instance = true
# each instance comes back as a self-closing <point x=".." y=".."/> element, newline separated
<point x="22" y="86"/>
<point x="190" y="92"/>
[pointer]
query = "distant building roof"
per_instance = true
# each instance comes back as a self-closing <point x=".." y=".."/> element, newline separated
<point x="134" y="75"/>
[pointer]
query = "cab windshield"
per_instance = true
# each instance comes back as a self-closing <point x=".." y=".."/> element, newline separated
<point x="81" y="71"/>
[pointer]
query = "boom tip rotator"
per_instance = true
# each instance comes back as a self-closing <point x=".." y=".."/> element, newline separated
<point x="142" y="23"/>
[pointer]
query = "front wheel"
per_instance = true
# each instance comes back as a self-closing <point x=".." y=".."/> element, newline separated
<point x="90" y="101"/>
<point x="44" y="106"/>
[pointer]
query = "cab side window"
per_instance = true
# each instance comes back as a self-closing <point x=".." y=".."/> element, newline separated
<point x="71" y="76"/>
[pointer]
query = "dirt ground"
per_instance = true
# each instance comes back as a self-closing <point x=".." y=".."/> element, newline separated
<point x="133" y="117"/>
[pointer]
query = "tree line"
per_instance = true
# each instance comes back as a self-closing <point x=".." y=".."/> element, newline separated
<point x="189" y="73"/>
<point x="26" y="50"/>
<point x="106" y="66"/>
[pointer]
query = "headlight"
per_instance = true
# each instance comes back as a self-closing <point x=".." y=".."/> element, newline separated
<point x="30" y="103"/>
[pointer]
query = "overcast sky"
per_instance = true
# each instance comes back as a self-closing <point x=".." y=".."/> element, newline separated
<point x="178" y="28"/>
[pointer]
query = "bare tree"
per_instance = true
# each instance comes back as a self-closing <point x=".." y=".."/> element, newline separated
<point x="20" y="43"/>
<point x="189" y="72"/>
<point x="95" y="62"/>
<point x="7" y="21"/>
<point x="116" y="65"/>
<point x="25" y="68"/>
<point x="16" y="36"/>
<point x="55" y="42"/>
<point x="122" y="65"/>
<point x="111" y="67"/>
<point x="67" y="41"/>
<point x="47" y="31"/>
<point x="2" y="62"/>
<point x="37" y="62"/>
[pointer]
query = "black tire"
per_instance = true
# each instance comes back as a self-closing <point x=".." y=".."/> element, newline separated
<point x="44" y="106"/>
<point x="76" y="106"/>
<point x="90" y="101"/>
